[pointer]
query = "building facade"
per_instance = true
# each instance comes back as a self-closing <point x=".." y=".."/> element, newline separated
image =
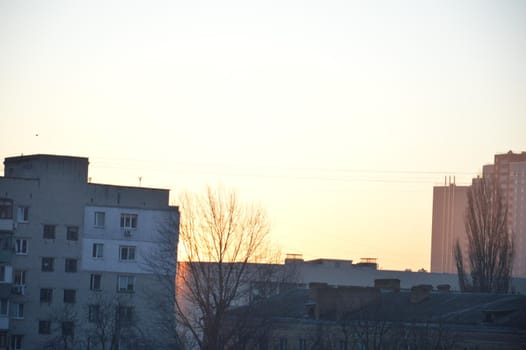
<point x="450" y="203"/>
<point x="74" y="256"/>
<point x="329" y="317"/>
<point x="449" y="206"/>
<point x="509" y="172"/>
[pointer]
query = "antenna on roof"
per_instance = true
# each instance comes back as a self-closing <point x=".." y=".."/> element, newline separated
<point x="140" y="181"/>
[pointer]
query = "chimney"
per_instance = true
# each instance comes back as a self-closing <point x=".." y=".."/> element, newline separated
<point x="420" y="293"/>
<point x="334" y="302"/>
<point x="387" y="284"/>
<point x="444" y="288"/>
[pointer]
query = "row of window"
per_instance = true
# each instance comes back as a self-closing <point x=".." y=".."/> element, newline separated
<point x="17" y="309"/>
<point x="46" y="296"/>
<point x="124" y="314"/>
<point x="72" y="232"/>
<point x="20" y="246"/>
<point x="67" y="327"/>
<point x="126" y="253"/>
<point x="48" y="265"/>
<point x="302" y="344"/>
<point x="125" y="284"/>
<point x="127" y="221"/>
<point x="22" y="215"/>
<point x="6" y="211"/>
<point x="15" y="344"/>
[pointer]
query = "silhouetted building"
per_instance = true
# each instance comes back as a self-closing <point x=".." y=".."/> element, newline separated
<point x="449" y="206"/>
<point x="509" y="171"/>
<point x="328" y="317"/>
<point x="449" y="210"/>
<point x="70" y="250"/>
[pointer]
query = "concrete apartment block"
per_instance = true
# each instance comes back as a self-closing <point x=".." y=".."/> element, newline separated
<point x="450" y="203"/>
<point x="65" y="243"/>
<point x="449" y="206"/>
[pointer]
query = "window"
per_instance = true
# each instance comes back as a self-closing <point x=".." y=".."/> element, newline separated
<point x="97" y="250"/>
<point x="47" y="264"/>
<point x="21" y="246"/>
<point x="72" y="233"/>
<point x="127" y="253"/>
<point x="71" y="265"/>
<point x="343" y="345"/>
<point x="100" y="219"/>
<point x="2" y="273"/>
<point x="44" y="327"/>
<point x="95" y="282"/>
<point x="5" y="241"/>
<point x="46" y="295"/>
<point x="67" y="328"/>
<point x="125" y="314"/>
<point x="128" y="221"/>
<point x="302" y="344"/>
<point x="4" y="303"/>
<point x="282" y="343"/>
<point x="19" y="283"/>
<point x="16" y="341"/>
<point x="20" y="277"/>
<point x="6" y="208"/>
<point x="69" y="296"/>
<point x="94" y="312"/>
<point x="49" y="231"/>
<point x="23" y="214"/>
<point x="263" y="343"/>
<point x="126" y="284"/>
<point x="17" y="311"/>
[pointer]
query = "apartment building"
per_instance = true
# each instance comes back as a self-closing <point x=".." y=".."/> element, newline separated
<point x="376" y="317"/>
<point x="450" y="203"/>
<point x="449" y="206"/>
<point x="73" y="252"/>
<point x="509" y="171"/>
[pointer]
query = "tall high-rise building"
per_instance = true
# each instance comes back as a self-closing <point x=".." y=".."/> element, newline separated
<point x="509" y="171"/>
<point x="450" y="202"/>
<point x="74" y="256"/>
<point x="449" y="205"/>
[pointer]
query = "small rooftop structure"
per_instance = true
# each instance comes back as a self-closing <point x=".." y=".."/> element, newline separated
<point x="293" y="258"/>
<point x="368" y="262"/>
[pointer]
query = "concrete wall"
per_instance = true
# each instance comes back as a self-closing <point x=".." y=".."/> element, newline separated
<point x="56" y="192"/>
<point x="449" y="206"/>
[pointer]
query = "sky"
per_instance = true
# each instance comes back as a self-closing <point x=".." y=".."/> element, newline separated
<point x="337" y="117"/>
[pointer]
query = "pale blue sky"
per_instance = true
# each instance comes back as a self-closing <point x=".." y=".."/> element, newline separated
<point x="337" y="116"/>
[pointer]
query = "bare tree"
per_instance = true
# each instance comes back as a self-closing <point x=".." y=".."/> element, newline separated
<point x="224" y="242"/>
<point x="224" y="247"/>
<point x="113" y="324"/>
<point x="490" y="249"/>
<point x="161" y="262"/>
<point x="62" y="327"/>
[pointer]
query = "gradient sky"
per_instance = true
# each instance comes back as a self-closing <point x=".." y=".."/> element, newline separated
<point x="338" y="117"/>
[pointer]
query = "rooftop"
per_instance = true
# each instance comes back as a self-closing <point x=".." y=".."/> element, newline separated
<point x="504" y="310"/>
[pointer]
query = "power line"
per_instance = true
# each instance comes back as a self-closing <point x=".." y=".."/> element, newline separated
<point x="281" y="172"/>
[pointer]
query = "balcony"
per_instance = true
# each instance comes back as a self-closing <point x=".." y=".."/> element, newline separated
<point x="6" y="225"/>
<point x="6" y="246"/>
<point x="18" y="289"/>
<point x="6" y="255"/>
<point x="4" y="322"/>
